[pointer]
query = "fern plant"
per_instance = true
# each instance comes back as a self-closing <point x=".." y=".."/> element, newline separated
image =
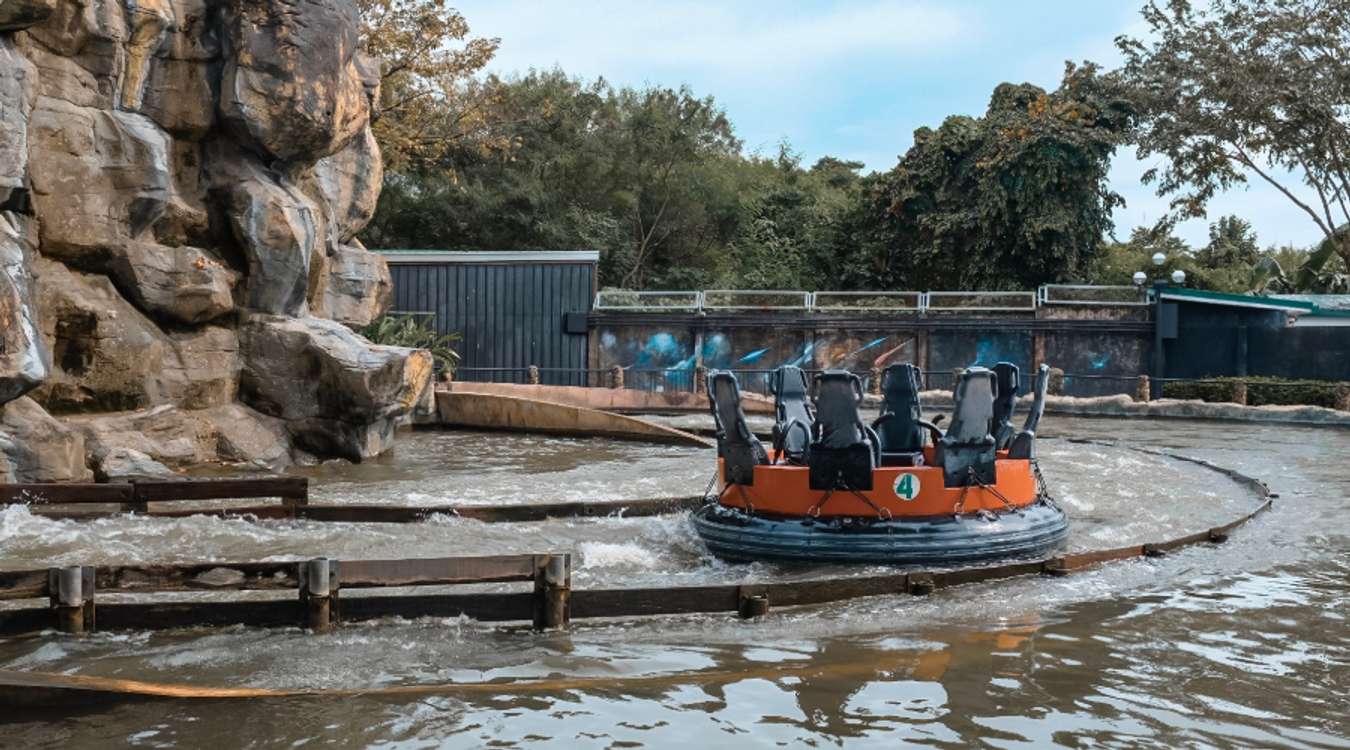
<point x="415" y="332"/>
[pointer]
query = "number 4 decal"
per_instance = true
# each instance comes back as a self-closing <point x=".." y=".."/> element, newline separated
<point x="906" y="486"/>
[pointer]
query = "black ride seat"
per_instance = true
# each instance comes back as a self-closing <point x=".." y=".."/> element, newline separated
<point x="1024" y="443"/>
<point x="792" y="428"/>
<point x="843" y="449"/>
<point x="1006" y="383"/>
<point x="967" y="445"/>
<point x="899" y="427"/>
<point x="737" y="446"/>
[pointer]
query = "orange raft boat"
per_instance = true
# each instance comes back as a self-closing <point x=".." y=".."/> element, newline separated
<point x="898" y="491"/>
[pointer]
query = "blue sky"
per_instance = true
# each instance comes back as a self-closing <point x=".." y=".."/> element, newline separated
<point x="851" y="79"/>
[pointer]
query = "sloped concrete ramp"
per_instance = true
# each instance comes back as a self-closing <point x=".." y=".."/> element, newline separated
<point x="490" y="411"/>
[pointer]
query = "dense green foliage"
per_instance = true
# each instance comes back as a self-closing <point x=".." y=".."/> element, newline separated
<point x="657" y="181"/>
<point x="1007" y="201"/>
<point x="1262" y="391"/>
<point x="1232" y="261"/>
<point x="415" y="333"/>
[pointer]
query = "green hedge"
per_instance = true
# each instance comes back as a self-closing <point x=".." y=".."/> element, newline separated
<point x="1262" y="390"/>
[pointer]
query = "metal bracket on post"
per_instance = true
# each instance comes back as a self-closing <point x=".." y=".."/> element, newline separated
<point x="922" y="584"/>
<point x="752" y="601"/>
<point x="318" y="593"/>
<point x="71" y="592"/>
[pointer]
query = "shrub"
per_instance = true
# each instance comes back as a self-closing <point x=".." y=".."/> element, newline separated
<point x="1263" y="390"/>
<point x="415" y="333"/>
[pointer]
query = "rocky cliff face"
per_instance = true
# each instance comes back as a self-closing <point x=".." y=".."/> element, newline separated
<point x="181" y="183"/>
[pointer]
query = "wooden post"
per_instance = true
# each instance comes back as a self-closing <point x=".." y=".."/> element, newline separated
<point x="293" y="503"/>
<point x="1037" y="347"/>
<point x="921" y="584"/>
<point x="752" y="601"/>
<point x="71" y="592"/>
<point x="317" y="592"/>
<point x="1240" y="392"/>
<point x="876" y="381"/>
<point x="700" y="379"/>
<point x="616" y="377"/>
<point x="552" y="591"/>
<point x="1142" y="391"/>
<point x="534" y="374"/>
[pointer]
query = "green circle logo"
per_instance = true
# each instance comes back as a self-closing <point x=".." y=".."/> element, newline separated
<point x="906" y="486"/>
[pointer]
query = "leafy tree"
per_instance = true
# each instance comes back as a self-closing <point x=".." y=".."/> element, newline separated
<point x="1232" y="244"/>
<point x="1010" y="200"/>
<point x="428" y="98"/>
<point x="1234" y="89"/>
<point x="651" y="177"/>
<point x="1319" y="271"/>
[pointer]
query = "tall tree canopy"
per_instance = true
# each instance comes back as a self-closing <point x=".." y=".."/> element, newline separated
<point x="1013" y="199"/>
<point x="1232" y="90"/>
<point x="429" y="100"/>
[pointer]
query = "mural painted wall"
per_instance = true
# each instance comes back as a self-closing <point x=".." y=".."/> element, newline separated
<point x="664" y="357"/>
<point x="640" y="350"/>
<point x="861" y="351"/>
<point x="1092" y="355"/>
<point x="948" y="350"/>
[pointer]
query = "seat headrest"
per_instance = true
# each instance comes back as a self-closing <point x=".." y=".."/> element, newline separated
<point x="901" y="379"/>
<point x="836" y="383"/>
<point x="788" y="382"/>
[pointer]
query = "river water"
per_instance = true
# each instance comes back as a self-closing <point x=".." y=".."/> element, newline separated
<point x="1240" y="645"/>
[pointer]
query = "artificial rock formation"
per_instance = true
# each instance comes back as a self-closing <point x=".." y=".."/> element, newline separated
<point x="181" y="185"/>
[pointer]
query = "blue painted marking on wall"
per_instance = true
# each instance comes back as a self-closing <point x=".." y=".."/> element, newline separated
<point x="805" y="357"/>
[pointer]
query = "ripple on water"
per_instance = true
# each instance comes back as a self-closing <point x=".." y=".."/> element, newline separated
<point x="1240" y="644"/>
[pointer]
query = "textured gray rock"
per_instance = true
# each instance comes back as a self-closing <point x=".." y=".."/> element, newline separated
<point x="350" y="181"/>
<point x="100" y="178"/>
<point x="92" y="34"/>
<point x="19" y="14"/>
<point x="248" y="437"/>
<point x="129" y="465"/>
<point x="16" y="104"/>
<point x="291" y="81"/>
<point x="278" y="228"/>
<point x="24" y="358"/>
<point x="166" y="168"/>
<point x="358" y="288"/>
<point x="340" y="394"/>
<point x="166" y="434"/>
<point x="34" y="447"/>
<point x="107" y="356"/>
<point x="176" y="91"/>
<point x="184" y="284"/>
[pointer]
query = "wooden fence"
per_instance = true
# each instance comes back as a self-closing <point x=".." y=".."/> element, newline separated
<point x="74" y="501"/>
<point x="317" y="584"/>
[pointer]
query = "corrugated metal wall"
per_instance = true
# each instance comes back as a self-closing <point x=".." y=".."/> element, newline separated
<point x="510" y="315"/>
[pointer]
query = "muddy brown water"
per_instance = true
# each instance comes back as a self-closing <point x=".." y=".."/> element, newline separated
<point x="1240" y="645"/>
